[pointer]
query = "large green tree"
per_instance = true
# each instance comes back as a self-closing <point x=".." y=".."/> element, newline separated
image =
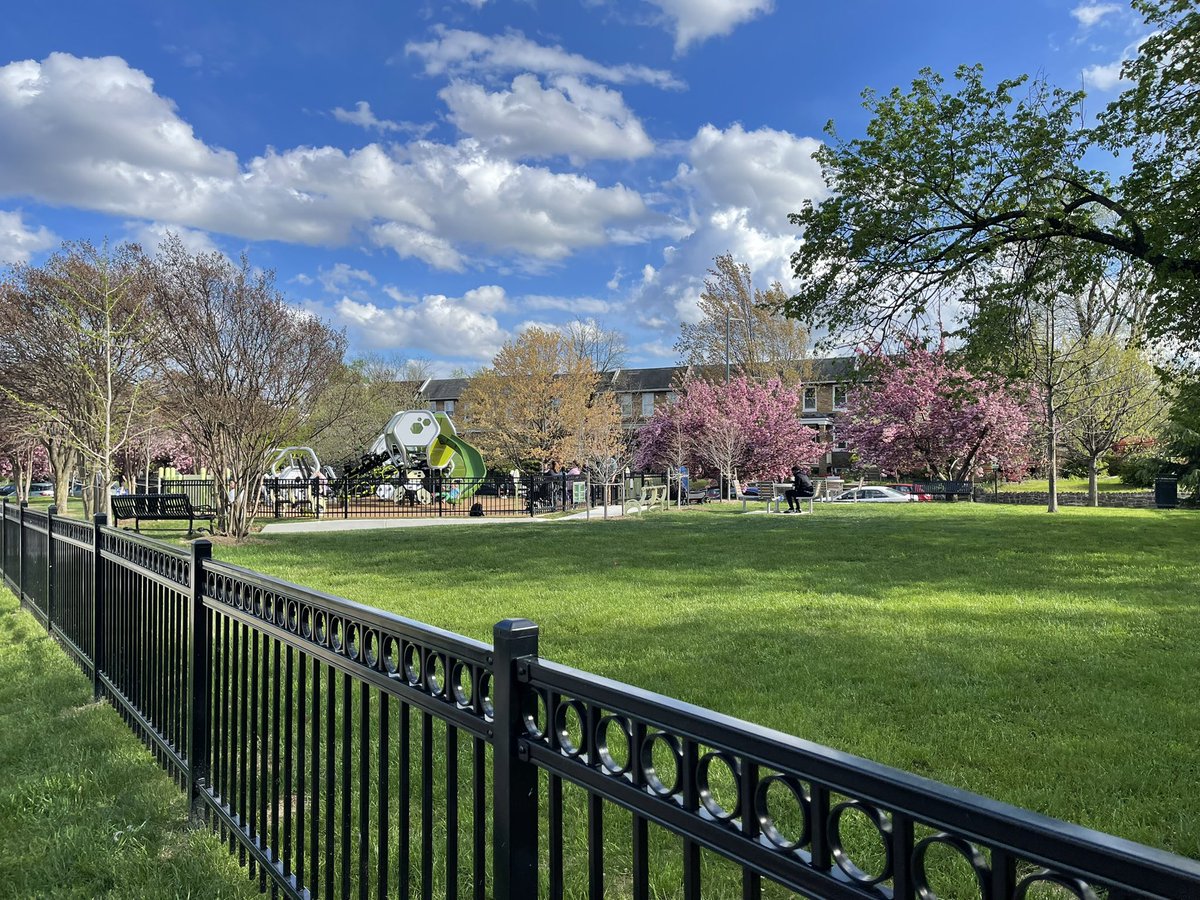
<point x="949" y="180"/>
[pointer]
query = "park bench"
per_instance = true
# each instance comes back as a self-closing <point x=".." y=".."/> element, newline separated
<point x="772" y="492"/>
<point x="948" y="490"/>
<point x="651" y="496"/>
<point x="159" y="508"/>
<point x="765" y="491"/>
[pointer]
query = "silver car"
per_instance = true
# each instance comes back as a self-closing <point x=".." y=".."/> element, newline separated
<point x="873" y="495"/>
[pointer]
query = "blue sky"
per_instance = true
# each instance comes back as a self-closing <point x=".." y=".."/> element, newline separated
<point x="435" y="176"/>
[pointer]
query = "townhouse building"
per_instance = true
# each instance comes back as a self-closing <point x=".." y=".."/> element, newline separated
<point x="639" y="391"/>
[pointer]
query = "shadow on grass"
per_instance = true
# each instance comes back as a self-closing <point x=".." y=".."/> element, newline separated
<point x="84" y="809"/>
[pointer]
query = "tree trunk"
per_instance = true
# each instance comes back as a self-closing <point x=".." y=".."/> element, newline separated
<point x="61" y="463"/>
<point x="1052" y="458"/>
<point x="1093" y="488"/>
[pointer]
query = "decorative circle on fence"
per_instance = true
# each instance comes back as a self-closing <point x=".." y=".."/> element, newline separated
<point x="563" y="727"/>
<point x="461" y="682"/>
<point x="705" y="775"/>
<point x="769" y="824"/>
<point x="652" y="773"/>
<point x="485" y="695"/>
<point x="413" y="664"/>
<point x="435" y="668"/>
<point x="371" y="648"/>
<point x="968" y="851"/>
<point x="1074" y="886"/>
<point x="608" y="760"/>
<point x="533" y="713"/>
<point x="883" y="828"/>
<point x="391" y="654"/>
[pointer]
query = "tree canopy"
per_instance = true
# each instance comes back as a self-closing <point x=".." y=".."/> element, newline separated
<point x="744" y="326"/>
<point x="949" y="179"/>
<point x="922" y="414"/>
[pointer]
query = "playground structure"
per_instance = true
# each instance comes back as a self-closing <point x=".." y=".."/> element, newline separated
<point x="418" y="466"/>
<point x="296" y="477"/>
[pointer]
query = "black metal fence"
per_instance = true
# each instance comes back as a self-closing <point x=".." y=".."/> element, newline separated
<point x="342" y="751"/>
<point x="434" y="495"/>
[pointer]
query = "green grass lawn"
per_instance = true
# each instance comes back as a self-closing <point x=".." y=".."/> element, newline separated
<point x="85" y="811"/>
<point x="1104" y="484"/>
<point x="1048" y="661"/>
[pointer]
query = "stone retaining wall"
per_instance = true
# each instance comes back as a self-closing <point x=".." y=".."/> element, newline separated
<point x="1120" y="500"/>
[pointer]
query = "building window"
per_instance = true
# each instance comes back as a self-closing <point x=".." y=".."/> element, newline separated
<point x="647" y="405"/>
<point x="627" y="406"/>
<point x="672" y="396"/>
<point x="449" y="406"/>
<point x="839" y="396"/>
<point x="810" y="398"/>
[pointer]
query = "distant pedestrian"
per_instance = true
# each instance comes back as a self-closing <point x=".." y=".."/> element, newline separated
<point x="802" y="488"/>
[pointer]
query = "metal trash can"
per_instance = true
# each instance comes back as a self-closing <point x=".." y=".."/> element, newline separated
<point x="1166" y="492"/>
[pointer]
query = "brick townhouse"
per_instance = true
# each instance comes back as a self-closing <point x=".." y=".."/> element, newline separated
<point x="639" y="391"/>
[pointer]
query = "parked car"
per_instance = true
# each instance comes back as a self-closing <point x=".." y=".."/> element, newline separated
<point x="8" y="490"/>
<point x="873" y="495"/>
<point x="916" y="492"/>
<point x="41" y="489"/>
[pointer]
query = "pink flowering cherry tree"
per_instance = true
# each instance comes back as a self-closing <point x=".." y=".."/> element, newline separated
<point x="921" y="413"/>
<point x="743" y="429"/>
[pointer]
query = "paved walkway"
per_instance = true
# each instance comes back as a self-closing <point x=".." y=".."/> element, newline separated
<point x="326" y="525"/>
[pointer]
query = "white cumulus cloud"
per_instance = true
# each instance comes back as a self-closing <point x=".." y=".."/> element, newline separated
<point x="455" y="52"/>
<point x="18" y="241"/>
<point x="569" y="118"/>
<point x="364" y="117"/>
<point x="462" y="328"/>
<point x="740" y="186"/>
<point x="694" y="21"/>
<point x="1088" y="14"/>
<point x="93" y="133"/>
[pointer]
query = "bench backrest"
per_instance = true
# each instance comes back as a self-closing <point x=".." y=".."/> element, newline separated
<point x="144" y="506"/>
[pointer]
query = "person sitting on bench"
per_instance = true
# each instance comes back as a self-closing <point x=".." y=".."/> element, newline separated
<point x="802" y="487"/>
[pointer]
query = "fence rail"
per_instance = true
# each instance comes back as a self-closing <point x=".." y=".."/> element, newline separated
<point x="343" y="751"/>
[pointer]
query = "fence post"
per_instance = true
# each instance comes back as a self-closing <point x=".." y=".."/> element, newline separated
<point x="98" y="523"/>
<point x="514" y="778"/>
<point x="346" y="498"/>
<point x="278" y="499"/>
<point x="21" y="550"/>
<point x="199" y="671"/>
<point x="4" y="540"/>
<point x="50" y="514"/>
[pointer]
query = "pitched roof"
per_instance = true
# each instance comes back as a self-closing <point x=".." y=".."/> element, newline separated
<point x="657" y="379"/>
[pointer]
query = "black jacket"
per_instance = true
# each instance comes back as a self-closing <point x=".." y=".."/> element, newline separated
<point x="803" y="484"/>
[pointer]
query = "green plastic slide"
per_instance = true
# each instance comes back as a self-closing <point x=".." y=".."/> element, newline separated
<point x="468" y="462"/>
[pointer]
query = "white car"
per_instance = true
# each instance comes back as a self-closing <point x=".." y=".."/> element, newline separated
<point x="873" y="495"/>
